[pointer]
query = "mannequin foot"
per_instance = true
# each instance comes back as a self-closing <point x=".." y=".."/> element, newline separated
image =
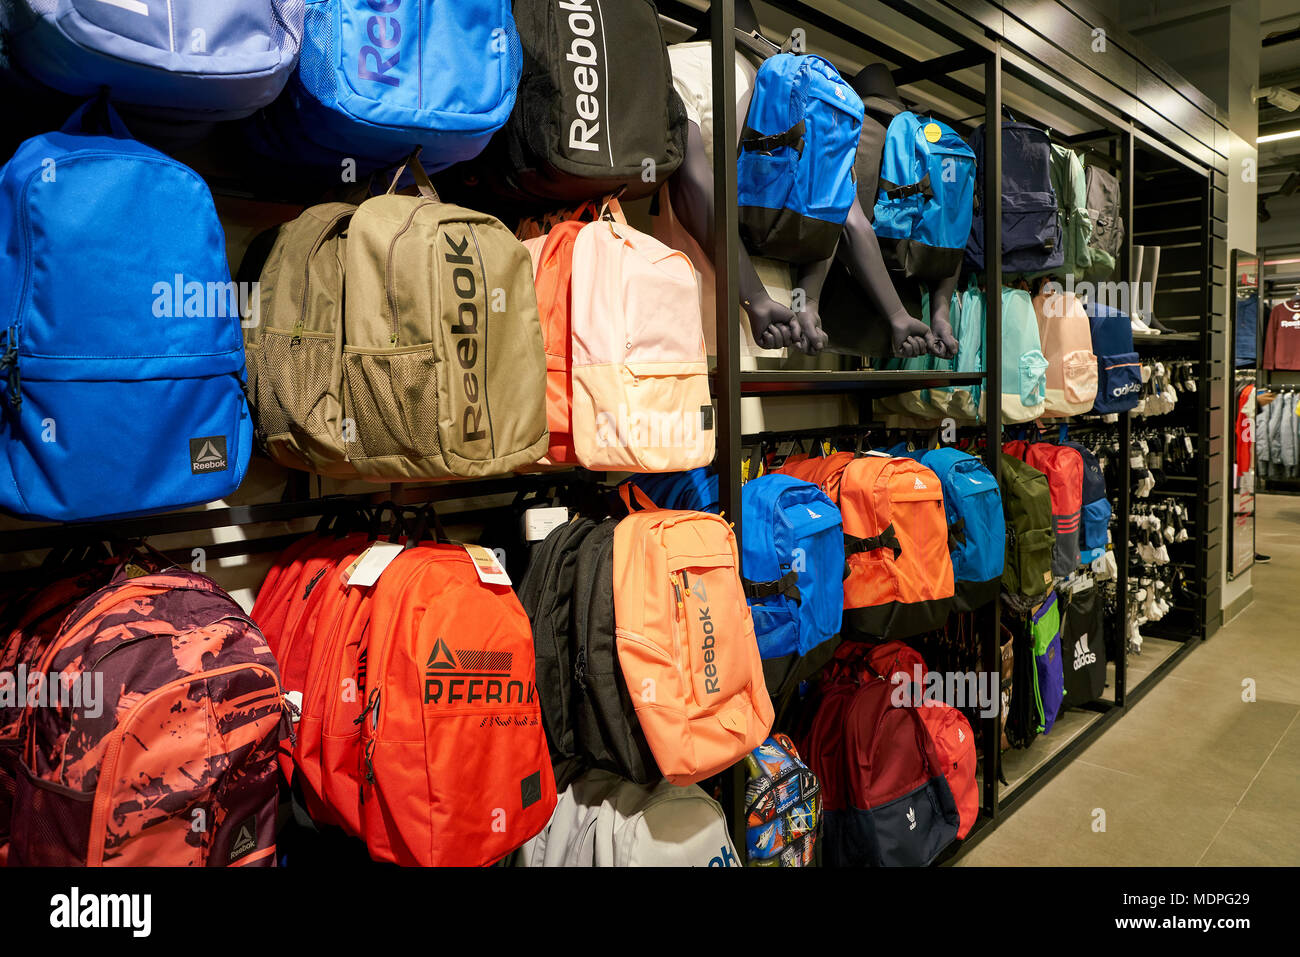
<point x="772" y="324"/>
<point x="940" y="340"/>
<point x="908" y="335"/>
<point x="809" y="335"/>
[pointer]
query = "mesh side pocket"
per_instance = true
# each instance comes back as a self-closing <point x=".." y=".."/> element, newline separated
<point x="393" y="403"/>
<point x="272" y="417"/>
<point x="299" y="376"/>
<point x="51" y="827"/>
<point x="316" y="63"/>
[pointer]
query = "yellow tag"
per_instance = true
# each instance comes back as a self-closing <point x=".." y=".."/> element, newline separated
<point x="933" y="132"/>
<point x="134" y="571"/>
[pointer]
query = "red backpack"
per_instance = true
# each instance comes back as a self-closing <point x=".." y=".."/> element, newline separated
<point x="173" y="761"/>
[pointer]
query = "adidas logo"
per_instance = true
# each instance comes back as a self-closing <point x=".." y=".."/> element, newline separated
<point x="208" y="454"/>
<point x="1082" y="656"/>
<point x="961" y="735"/>
<point x="918" y="484"/>
<point x="911" y="819"/>
<point x="811" y="513"/>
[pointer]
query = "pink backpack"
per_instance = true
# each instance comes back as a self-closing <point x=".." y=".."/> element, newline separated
<point x="640" y="377"/>
<point x="1066" y="336"/>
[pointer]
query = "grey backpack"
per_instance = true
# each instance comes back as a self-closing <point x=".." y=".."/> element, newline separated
<point x="1107" y="224"/>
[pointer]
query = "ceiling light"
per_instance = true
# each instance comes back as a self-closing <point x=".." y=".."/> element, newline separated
<point x="1274" y="137"/>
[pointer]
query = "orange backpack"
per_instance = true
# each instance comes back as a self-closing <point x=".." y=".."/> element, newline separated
<point x="686" y="641"/>
<point x="455" y="768"/>
<point x="824" y="471"/>
<point x="900" y="580"/>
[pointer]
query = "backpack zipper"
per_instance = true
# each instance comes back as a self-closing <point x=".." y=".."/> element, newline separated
<point x="388" y="279"/>
<point x="9" y="366"/>
<point x="306" y="276"/>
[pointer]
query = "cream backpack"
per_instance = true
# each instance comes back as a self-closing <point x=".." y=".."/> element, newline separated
<point x="640" y="377"/>
<point x="1066" y="336"/>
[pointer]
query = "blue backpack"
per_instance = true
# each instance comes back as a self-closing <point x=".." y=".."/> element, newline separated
<point x="124" y="391"/>
<point x="795" y="170"/>
<point x="926" y="195"/>
<point x="977" y="529"/>
<point x="695" y="490"/>
<point x="792" y="560"/>
<point x="1031" y="222"/>
<point x="1119" y="370"/>
<point x="1094" y="522"/>
<point x="210" y="61"/>
<point x="378" y="79"/>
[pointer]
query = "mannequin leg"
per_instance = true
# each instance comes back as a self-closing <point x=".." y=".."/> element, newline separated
<point x="860" y="251"/>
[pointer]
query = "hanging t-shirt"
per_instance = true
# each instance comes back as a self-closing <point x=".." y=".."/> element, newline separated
<point x="1244" y="458"/>
<point x="1245" y="331"/>
<point x="1282" y="341"/>
<point x="692" y="65"/>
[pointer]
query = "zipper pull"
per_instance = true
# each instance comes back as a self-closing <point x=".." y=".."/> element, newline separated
<point x="370" y="766"/>
<point x="297" y="334"/>
<point x="9" y="366"/>
<point x="677" y="592"/>
<point x="371" y="702"/>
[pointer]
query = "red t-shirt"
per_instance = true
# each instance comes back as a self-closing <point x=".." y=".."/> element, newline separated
<point x="1282" y="340"/>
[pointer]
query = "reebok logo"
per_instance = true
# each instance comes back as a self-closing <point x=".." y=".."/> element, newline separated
<point x="918" y="484"/>
<point x="245" y="841"/>
<point x="911" y="819"/>
<point x="472" y="677"/>
<point x="726" y="858"/>
<point x="385" y="33"/>
<point x="472" y="391"/>
<point x="1082" y="656"/>
<point x="208" y="454"/>
<point x="585" y="51"/>
<point x="707" y="644"/>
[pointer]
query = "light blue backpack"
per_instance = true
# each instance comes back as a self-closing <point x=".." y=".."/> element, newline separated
<point x="211" y="60"/>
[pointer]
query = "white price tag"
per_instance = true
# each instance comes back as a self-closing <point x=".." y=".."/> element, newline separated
<point x="485" y="563"/>
<point x="370" y="564"/>
<point x="540" y="522"/>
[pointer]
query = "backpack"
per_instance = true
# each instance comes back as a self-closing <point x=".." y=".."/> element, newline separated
<point x="926" y="191"/>
<point x="1069" y="184"/>
<point x="455" y="762"/>
<point x="1024" y="367"/>
<point x="212" y="61"/>
<point x="900" y="577"/>
<point x="440" y="319"/>
<point x="602" y="820"/>
<point x="607" y="728"/>
<point x="976" y="527"/>
<point x="596" y="112"/>
<point x="1107" y="237"/>
<point x="1027" y="504"/>
<point x="1094" y="516"/>
<point x="295" y="353"/>
<point x="877" y="114"/>
<point x="885" y="799"/>
<point x="1119" y="370"/>
<point x="686" y="642"/>
<point x="186" y="726"/>
<point x="1031" y="227"/>
<point x="793" y="564"/>
<point x="695" y="490"/>
<point x="1066" y="337"/>
<point x="824" y="471"/>
<point x="547" y="593"/>
<point x="1063" y="467"/>
<point x="374" y="81"/>
<point x="795" y="169"/>
<point x="1024" y="708"/>
<point x="104" y="358"/>
<point x="782" y="806"/>
<point x="640" y="379"/>
<point x="1083" y="646"/>
<point x="1045" y="628"/>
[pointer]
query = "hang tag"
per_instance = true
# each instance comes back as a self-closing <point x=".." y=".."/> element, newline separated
<point x="883" y="455"/>
<point x="1187" y="441"/>
<point x="489" y="569"/>
<point x="370" y="564"/>
<point x="933" y="132"/>
<point x="295" y="699"/>
<point x="541" y="521"/>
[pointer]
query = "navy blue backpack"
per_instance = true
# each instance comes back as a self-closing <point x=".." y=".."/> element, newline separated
<point x="1119" y="370"/>
<point x="1094" y="522"/>
<point x="977" y="531"/>
<point x="377" y="79"/>
<point x="792" y="561"/>
<point x="795" y="169"/>
<point x="120" y="332"/>
<point x="209" y="61"/>
<point x="1031" y="224"/>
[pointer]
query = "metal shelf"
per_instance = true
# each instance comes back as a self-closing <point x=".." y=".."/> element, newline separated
<point x="765" y="382"/>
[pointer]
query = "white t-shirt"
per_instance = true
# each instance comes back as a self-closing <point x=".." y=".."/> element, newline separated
<point x="692" y="65"/>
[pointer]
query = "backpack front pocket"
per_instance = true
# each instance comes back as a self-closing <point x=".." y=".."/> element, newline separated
<point x="1030" y="221"/>
<point x="1033" y="378"/>
<point x="1080" y="377"/>
<point x="1119" y="382"/>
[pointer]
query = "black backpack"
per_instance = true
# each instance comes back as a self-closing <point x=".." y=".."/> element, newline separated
<point x="1023" y="711"/>
<point x="595" y="103"/>
<point x="607" y="733"/>
<point x="1083" y="646"/>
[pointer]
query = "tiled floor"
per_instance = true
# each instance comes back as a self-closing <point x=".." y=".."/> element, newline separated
<point x="1193" y="774"/>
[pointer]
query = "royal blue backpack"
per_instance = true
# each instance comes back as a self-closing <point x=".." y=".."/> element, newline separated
<point x="795" y="170"/>
<point x="976" y="526"/>
<point x="1119" y="371"/>
<point x="120" y="332"/>
<point x="377" y="79"/>
<point x="210" y="61"/>
<point x="926" y="196"/>
<point x="1031" y="222"/>
<point x="695" y="490"/>
<point x="792" y="561"/>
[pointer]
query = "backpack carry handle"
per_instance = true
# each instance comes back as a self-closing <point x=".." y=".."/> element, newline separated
<point x="422" y="182"/>
<point x="628" y="492"/>
<point x="612" y="209"/>
<point x="427" y="515"/>
<point x="97" y="116"/>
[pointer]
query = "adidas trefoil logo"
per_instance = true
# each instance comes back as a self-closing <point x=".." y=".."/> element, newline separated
<point x="918" y="484"/>
<point x="911" y="819"/>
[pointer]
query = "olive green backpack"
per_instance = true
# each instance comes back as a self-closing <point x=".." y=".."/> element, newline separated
<point x="1027" y="504"/>
<point x="399" y="341"/>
